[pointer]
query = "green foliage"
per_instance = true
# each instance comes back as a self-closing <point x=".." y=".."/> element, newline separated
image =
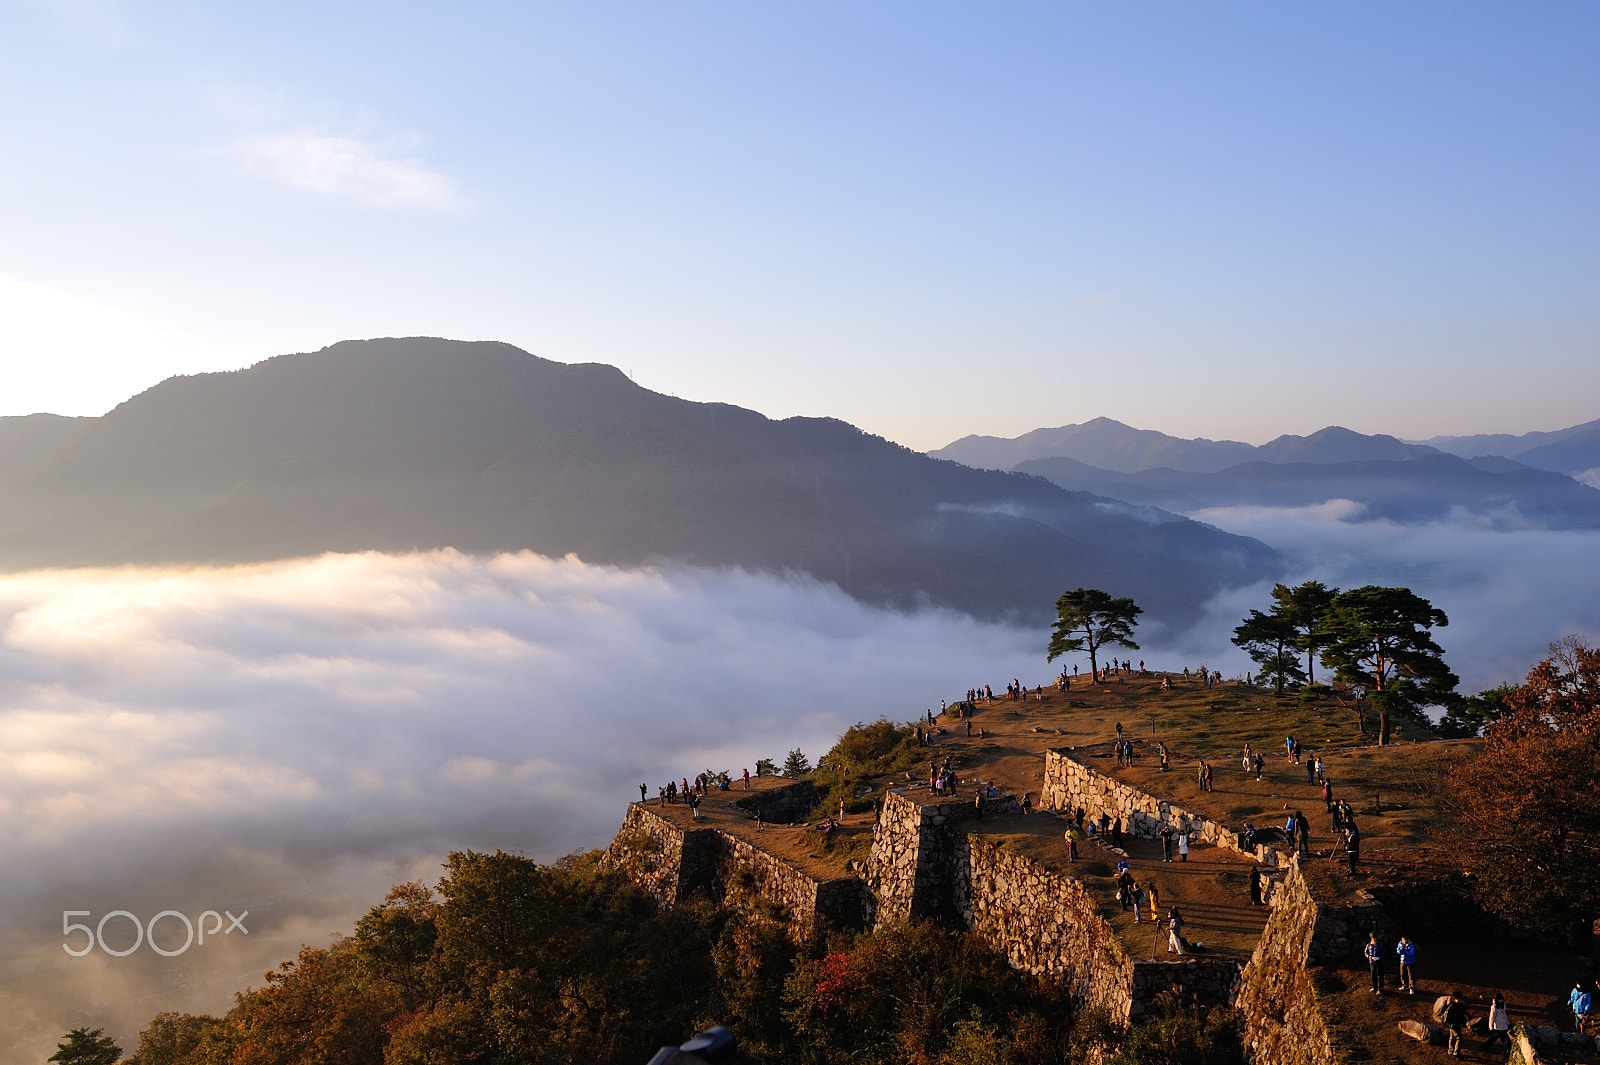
<point x="1382" y="638"/>
<point x="1270" y="640"/>
<point x="796" y="764"/>
<point x="1470" y="715"/>
<point x="875" y="749"/>
<point x="766" y="767"/>
<point x="1088" y="619"/>
<point x="87" y="1046"/>
<point x="865" y="750"/>
<point x="1184" y="1037"/>
<point x="1305" y="608"/>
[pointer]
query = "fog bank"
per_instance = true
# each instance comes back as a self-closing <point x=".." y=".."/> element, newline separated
<point x="291" y="738"/>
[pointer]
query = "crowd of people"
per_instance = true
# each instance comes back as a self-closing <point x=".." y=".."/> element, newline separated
<point x="1143" y="899"/>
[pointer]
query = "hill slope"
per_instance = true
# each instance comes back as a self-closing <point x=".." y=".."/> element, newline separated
<point x="419" y="443"/>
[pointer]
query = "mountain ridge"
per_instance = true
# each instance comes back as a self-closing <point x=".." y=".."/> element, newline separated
<point x="1107" y="444"/>
<point x="410" y="443"/>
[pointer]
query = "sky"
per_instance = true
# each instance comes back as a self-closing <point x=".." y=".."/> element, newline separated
<point x="1228" y="220"/>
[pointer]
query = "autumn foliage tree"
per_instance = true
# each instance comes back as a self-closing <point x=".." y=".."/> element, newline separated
<point x="1529" y="822"/>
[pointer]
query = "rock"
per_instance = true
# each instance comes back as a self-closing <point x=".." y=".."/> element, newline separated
<point x="1431" y="1034"/>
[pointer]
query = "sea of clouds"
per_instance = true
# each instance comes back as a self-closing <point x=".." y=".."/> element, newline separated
<point x="289" y="739"/>
<point x="292" y="738"/>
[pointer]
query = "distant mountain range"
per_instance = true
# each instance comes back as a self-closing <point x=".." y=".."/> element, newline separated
<point x="1574" y="450"/>
<point x="1504" y="480"/>
<point x="423" y="443"/>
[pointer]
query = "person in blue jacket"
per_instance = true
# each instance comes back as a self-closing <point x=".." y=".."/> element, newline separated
<point x="1407" y="953"/>
<point x="1581" y="1004"/>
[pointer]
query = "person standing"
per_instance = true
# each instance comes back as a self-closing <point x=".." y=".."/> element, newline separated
<point x="1205" y="767"/>
<point x="642" y="791"/>
<point x="1304" y="826"/>
<point x="1499" y="1023"/>
<point x="1327" y="794"/>
<point x="1183" y="846"/>
<point x="1374" y="955"/>
<point x="1072" y="846"/>
<point x="1455" y="1022"/>
<point x="1175" y="932"/>
<point x="1255" y="885"/>
<point x="747" y="780"/>
<point x="1406" y="951"/>
<point x="1116" y="833"/>
<point x="1582" y="1004"/>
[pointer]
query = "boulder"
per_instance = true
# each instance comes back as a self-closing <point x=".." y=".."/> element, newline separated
<point x="1431" y="1034"/>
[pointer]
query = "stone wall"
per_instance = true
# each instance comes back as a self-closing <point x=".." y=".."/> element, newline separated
<point x="663" y="859"/>
<point x="913" y="865"/>
<point x="1283" y="1024"/>
<point x="671" y="864"/>
<point x="925" y="862"/>
<point x="782" y="806"/>
<point x="810" y="906"/>
<point x="1044" y="922"/>
<point x="1069" y="784"/>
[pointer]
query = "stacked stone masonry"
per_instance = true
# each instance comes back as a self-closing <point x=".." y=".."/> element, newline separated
<point x="1070" y="784"/>
<point x="926" y="863"/>
<point x="1282" y="1022"/>
<point x="671" y="864"/>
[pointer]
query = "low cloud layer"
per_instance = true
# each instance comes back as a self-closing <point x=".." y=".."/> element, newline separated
<point x="1508" y="593"/>
<point x="292" y="738"/>
<point x="289" y="739"/>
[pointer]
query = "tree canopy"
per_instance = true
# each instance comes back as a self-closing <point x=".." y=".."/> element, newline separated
<point x="1271" y="639"/>
<point x="1088" y="619"/>
<point x="1382" y="639"/>
<point x="1529" y="825"/>
<point x="511" y="962"/>
<point x="1305" y="609"/>
<point x="87" y="1046"/>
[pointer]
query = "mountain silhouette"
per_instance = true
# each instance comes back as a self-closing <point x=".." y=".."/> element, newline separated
<point x="1573" y="450"/>
<point x="1109" y="445"/>
<point x="1495" y="492"/>
<point x="420" y="443"/>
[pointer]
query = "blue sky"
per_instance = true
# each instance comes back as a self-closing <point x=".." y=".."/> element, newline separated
<point x="930" y="220"/>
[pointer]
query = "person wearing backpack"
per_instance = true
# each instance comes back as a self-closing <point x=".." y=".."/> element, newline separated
<point x="1455" y="1022"/>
